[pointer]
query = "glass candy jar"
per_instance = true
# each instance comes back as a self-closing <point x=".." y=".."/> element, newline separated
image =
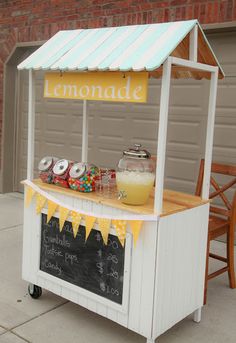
<point x="45" y="168"/>
<point x="135" y="176"/>
<point x="82" y="177"/>
<point x="61" y="173"/>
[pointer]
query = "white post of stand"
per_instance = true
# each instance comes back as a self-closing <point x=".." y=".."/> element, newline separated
<point x="162" y="135"/>
<point x="210" y="120"/>
<point x="210" y="134"/>
<point x="150" y="340"/>
<point x="85" y="132"/>
<point x="193" y="44"/>
<point x="31" y="124"/>
<point x="197" y="315"/>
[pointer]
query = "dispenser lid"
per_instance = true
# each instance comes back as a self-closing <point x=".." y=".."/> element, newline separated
<point x="137" y="152"/>
<point x="45" y="163"/>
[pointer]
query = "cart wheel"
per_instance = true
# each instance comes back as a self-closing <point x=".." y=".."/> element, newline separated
<point x="34" y="291"/>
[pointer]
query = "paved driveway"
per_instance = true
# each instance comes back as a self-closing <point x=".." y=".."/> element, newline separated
<point x="52" y="319"/>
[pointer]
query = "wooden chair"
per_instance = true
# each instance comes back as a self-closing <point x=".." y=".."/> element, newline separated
<point x="221" y="220"/>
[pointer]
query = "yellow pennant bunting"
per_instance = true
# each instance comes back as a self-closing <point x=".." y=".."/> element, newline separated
<point x="89" y="222"/>
<point x="63" y="214"/>
<point x="75" y="218"/>
<point x="135" y="226"/>
<point x="52" y="206"/>
<point x="104" y="226"/>
<point x="40" y="202"/>
<point x="29" y="195"/>
<point x="120" y="226"/>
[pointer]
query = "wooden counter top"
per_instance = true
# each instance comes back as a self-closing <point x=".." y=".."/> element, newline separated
<point x="173" y="201"/>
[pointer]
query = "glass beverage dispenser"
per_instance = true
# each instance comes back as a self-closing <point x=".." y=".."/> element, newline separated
<point x="135" y="176"/>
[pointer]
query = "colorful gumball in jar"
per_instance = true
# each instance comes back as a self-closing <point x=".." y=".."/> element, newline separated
<point x="45" y="168"/>
<point x="61" y="173"/>
<point x="82" y="177"/>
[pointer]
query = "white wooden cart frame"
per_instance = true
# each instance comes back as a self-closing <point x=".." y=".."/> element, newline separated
<point x="190" y="64"/>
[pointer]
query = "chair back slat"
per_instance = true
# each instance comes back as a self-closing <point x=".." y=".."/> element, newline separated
<point x="225" y="169"/>
<point x="220" y="194"/>
<point x="219" y="210"/>
<point x="233" y="214"/>
<point x="219" y="191"/>
<point x="223" y="189"/>
<point x="200" y="179"/>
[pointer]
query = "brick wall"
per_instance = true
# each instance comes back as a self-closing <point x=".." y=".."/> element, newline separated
<point x="30" y="20"/>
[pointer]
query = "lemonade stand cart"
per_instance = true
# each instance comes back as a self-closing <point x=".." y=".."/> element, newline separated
<point x="141" y="266"/>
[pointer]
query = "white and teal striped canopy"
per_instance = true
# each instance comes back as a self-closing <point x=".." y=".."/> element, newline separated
<point x="125" y="48"/>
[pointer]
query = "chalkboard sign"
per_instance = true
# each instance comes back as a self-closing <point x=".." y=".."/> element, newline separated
<point x="94" y="266"/>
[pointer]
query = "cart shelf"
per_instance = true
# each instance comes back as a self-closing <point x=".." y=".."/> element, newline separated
<point x="173" y="201"/>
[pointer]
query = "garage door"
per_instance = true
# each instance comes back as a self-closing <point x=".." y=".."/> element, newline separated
<point x="115" y="126"/>
<point x="225" y="129"/>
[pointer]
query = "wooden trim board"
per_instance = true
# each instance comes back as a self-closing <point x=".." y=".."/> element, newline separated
<point x="173" y="201"/>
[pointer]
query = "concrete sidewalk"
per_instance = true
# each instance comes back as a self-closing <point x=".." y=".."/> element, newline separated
<point x="52" y="319"/>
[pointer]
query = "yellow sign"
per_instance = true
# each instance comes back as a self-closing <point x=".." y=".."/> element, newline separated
<point x="105" y="86"/>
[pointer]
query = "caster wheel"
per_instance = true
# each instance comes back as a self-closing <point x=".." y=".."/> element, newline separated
<point x="34" y="291"/>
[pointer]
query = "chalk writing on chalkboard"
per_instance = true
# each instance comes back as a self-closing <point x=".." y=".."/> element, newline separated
<point x="94" y="266"/>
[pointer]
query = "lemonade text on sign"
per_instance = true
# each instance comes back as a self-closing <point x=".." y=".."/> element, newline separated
<point x="105" y="86"/>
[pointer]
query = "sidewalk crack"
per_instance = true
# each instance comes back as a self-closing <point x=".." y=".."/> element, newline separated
<point x="19" y="336"/>
<point x="38" y="316"/>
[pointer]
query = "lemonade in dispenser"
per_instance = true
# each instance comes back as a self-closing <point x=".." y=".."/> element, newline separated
<point x="135" y="176"/>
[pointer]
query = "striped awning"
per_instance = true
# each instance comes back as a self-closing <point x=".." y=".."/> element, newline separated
<point x="125" y="48"/>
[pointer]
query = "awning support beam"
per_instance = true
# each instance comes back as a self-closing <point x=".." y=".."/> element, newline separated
<point x="194" y="65"/>
<point x="162" y="134"/>
<point x="210" y="119"/>
<point x="163" y="121"/>
<point x="210" y="134"/>
<point x="31" y="126"/>
<point x="193" y="44"/>
<point x="85" y="132"/>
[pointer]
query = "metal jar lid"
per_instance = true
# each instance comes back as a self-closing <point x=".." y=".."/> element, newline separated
<point x="45" y="163"/>
<point x="77" y="170"/>
<point x="60" y="167"/>
<point x="137" y="152"/>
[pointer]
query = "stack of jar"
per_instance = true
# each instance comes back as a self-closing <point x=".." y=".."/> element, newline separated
<point x="68" y="174"/>
<point x="105" y="182"/>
